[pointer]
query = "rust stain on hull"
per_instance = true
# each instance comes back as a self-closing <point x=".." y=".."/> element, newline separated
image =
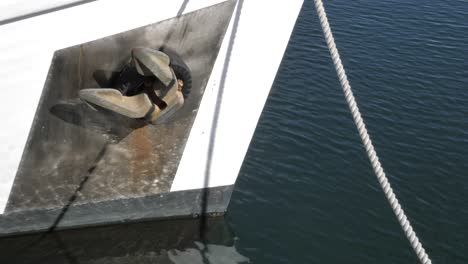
<point x="143" y="158"/>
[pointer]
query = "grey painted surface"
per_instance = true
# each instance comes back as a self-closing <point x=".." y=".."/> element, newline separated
<point x="191" y="203"/>
<point x="146" y="242"/>
<point x="75" y="155"/>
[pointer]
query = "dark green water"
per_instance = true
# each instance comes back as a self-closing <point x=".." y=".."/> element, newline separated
<point x="306" y="192"/>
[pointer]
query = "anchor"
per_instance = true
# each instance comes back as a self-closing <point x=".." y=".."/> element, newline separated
<point x="152" y="86"/>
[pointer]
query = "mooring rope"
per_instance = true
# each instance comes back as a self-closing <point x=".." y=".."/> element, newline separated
<point x="378" y="170"/>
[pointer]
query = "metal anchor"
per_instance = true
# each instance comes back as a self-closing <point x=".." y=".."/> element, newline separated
<point x="146" y="88"/>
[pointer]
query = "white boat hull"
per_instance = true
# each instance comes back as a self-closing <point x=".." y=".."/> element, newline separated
<point x="77" y="167"/>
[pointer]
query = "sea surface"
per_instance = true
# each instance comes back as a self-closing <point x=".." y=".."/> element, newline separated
<point x="306" y="192"/>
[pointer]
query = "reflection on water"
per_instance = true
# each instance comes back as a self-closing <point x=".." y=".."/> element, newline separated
<point x="175" y="241"/>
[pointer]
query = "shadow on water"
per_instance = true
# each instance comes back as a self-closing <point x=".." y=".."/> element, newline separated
<point x="175" y="241"/>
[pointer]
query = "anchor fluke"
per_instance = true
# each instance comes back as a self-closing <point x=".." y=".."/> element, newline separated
<point x="136" y="106"/>
<point x="150" y="62"/>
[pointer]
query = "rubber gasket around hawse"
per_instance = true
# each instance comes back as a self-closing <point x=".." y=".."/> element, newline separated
<point x="181" y="70"/>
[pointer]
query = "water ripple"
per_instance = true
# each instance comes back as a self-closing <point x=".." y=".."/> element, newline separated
<point x="306" y="191"/>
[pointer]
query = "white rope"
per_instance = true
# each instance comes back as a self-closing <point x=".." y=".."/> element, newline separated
<point x="400" y="214"/>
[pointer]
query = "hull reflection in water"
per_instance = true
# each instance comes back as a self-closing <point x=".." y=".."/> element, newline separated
<point x="178" y="242"/>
